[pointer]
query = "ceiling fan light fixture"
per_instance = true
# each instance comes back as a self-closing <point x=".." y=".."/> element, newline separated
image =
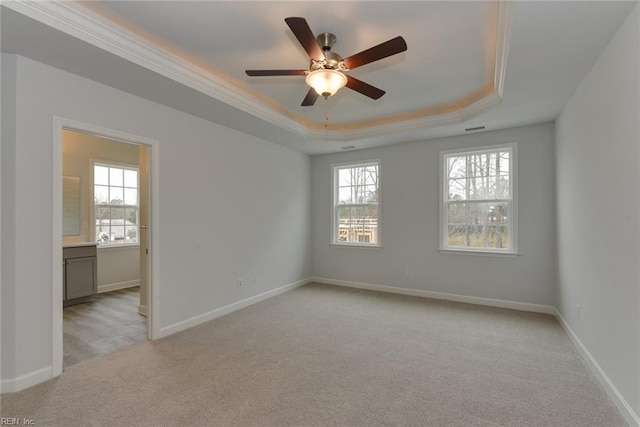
<point x="326" y="82"/>
<point x="325" y="76"/>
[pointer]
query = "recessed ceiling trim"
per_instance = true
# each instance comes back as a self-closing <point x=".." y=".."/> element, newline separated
<point x="485" y="103"/>
<point x="89" y="26"/>
<point x="503" y="36"/>
<point x="449" y="118"/>
<point x="423" y="122"/>
<point x="452" y="114"/>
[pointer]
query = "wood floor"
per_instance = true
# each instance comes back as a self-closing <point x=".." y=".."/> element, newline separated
<point x="109" y="322"/>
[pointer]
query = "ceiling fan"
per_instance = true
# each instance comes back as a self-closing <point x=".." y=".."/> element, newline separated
<point x="326" y="73"/>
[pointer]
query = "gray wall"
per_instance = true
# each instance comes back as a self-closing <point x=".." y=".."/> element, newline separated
<point x="409" y="187"/>
<point x="598" y="170"/>
<point x="230" y="205"/>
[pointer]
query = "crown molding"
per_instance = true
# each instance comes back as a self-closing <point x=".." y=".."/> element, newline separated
<point x="89" y="26"/>
<point x="391" y="127"/>
<point x="482" y="105"/>
<point x="503" y="36"/>
<point x="430" y="121"/>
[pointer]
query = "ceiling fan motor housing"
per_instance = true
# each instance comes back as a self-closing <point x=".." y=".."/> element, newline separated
<point x="332" y="60"/>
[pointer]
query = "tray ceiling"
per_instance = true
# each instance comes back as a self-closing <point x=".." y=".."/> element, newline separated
<point x="493" y="63"/>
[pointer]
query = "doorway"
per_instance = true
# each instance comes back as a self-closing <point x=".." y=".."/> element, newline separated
<point x="119" y="229"/>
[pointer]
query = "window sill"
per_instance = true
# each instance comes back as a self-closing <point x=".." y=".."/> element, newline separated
<point x="354" y="245"/>
<point x="114" y="247"/>
<point x="479" y="253"/>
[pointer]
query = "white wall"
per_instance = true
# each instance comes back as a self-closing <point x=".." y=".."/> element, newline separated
<point x="8" y="182"/>
<point x="409" y="225"/>
<point x="117" y="266"/>
<point x="231" y="205"/>
<point x="598" y="174"/>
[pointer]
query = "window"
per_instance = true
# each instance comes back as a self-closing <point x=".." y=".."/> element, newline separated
<point x="356" y="199"/>
<point x="478" y="209"/>
<point x="115" y="194"/>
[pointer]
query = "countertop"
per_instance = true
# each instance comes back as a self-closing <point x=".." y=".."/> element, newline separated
<point x="80" y="244"/>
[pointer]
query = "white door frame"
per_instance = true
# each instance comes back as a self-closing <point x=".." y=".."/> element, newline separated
<point x="59" y="124"/>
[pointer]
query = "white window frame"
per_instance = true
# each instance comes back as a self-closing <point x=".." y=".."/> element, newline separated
<point x="512" y="250"/>
<point x="107" y="163"/>
<point x="335" y="168"/>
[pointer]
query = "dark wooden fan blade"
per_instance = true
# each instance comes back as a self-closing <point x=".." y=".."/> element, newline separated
<point x="303" y="33"/>
<point x="364" y="88"/>
<point x="310" y="99"/>
<point x="256" y="73"/>
<point x="383" y="50"/>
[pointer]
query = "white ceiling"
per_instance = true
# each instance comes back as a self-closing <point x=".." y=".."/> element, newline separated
<point x="192" y="56"/>
<point x="225" y="39"/>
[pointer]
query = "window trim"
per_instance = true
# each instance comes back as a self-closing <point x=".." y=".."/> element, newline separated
<point x="334" y="195"/>
<point x="92" y="213"/>
<point x="513" y="222"/>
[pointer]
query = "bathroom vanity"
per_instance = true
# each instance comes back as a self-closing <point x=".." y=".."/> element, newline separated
<point x="80" y="269"/>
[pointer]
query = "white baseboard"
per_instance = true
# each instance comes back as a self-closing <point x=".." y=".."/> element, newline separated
<point x="197" y="320"/>
<point x="115" y="286"/>
<point x="514" y="305"/>
<point x="26" y="380"/>
<point x="143" y="310"/>
<point x="621" y="403"/>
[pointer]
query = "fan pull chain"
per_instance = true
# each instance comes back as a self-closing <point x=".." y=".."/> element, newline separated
<point x="326" y="113"/>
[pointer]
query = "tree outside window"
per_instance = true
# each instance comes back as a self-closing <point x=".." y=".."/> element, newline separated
<point x="478" y="199"/>
<point x="356" y="204"/>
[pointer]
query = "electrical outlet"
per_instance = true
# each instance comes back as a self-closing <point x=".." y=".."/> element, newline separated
<point x="578" y="311"/>
<point x="255" y="278"/>
<point x="408" y="272"/>
<point x="240" y="283"/>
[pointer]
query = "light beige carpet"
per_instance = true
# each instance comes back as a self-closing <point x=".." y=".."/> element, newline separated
<point x="324" y="355"/>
